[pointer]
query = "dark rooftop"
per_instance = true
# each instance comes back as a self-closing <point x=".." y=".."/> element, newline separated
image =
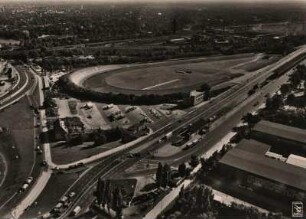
<point x="283" y="131"/>
<point x="250" y="156"/>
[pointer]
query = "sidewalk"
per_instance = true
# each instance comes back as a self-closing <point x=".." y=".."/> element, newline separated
<point x="168" y="199"/>
<point x="35" y="191"/>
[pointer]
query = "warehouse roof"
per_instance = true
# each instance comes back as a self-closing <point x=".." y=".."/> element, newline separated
<point x="279" y="130"/>
<point x="247" y="157"/>
<point x="253" y="146"/>
<point x="296" y="160"/>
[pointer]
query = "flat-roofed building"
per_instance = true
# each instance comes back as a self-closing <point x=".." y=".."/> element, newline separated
<point x="296" y="161"/>
<point x="196" y="97"/>
<point x="284" y="139"/>
<point x="248" y="165"/>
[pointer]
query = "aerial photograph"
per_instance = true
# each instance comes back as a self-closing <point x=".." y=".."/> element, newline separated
<point x="154" y="109"/>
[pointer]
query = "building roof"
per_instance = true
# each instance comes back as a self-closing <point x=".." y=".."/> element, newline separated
<point x="195" y="93"/>
<point x="253" y="146"/>
<point x="247" y="157"/>
<point x="296" y="161"/>
<point x="279" y="130"/>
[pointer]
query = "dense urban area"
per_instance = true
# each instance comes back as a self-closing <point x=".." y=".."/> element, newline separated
<point x="152" y="109"/>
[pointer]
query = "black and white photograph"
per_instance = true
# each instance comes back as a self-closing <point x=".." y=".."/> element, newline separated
<point x="152" y="109"/>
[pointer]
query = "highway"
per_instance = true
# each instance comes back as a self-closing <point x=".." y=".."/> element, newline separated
<point x="24" y="87"/>
<point x="118" y="161"/>
<point x="230" y="99"/>
<point x="26" y="83"/>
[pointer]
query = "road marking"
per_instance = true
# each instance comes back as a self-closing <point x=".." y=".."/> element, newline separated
<point x="7" y="201"/>
<point x="5" y="168"/>
<point x="161" y="84"/>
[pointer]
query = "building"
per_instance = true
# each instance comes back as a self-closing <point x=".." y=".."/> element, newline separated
<point x="46" y="83"/>
<point x="134" y="132"/>
<point x="68" y="128"/>
<point x="247" y="165"/>
<point x="285" y="139"/>
<point x="194" y="98"/>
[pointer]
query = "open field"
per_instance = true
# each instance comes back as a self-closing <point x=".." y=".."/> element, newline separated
<point x="280" y="28"/>
<point x="53" y="191"/>
<point x="168" y="76"/>
<point x="62" y="154"/>
<point x="9" y="41"/>
<point x="172" y="76"/>
<point x="20" y="142"/>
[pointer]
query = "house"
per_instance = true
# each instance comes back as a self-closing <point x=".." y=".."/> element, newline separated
<point x="68" y="128"/>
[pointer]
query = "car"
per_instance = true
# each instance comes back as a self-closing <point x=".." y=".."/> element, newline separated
<point x="46" y="215"/>
<point x="23" y="187"/>
<point x="64" y="199"/>
<point x="29" y="180"/>
<point x="79" y="164"/>
<point x="71" y="194"/>
<point x="256" y="104"/>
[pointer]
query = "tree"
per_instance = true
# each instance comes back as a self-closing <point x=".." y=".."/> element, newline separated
<point x="100" y="192"/>
<point x="291" y="99"/>
<point x="117" y="202"/>
<point x="206" y="89"/>
<point x="285" y="89"/>
<point x="194" y="161"/>
<point x="9" y="73"/>
<point x="159" y="175"/>
<point x="166" y="175"/>
<point x="182" y="192"/>
<point x="182" y="170"/>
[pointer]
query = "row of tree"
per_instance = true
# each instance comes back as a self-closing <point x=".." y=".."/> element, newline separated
<point x="122" y="98"/>
<point x="163" y="175"/>
<point x="110" y="197"/>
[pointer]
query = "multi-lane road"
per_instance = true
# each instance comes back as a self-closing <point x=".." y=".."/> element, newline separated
<point x="25" y="87"/>
<point x="119" y="161"/>
<point x="233" y="98"/>
<point x="25" y="84"/>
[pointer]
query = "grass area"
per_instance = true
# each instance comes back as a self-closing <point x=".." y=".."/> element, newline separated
<point x="259" y="63"/>
<point x="142" y="165"/>
<point x="165" y="77"/>
<point x="170" y="76"/>
<point x="19" y="120"/>
<point x="62" y="154"/>
<point x="51" y="194"/>
<point x="73" y="107"/>
<point x="127" y="186"/>
<point x="9" y="152"/>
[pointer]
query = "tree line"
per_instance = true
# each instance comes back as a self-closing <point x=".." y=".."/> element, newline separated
<point x="110" y="97"/>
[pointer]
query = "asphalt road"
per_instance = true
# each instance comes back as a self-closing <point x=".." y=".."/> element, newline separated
<point x="25" y="86"/>
<point x="85" y="185"/>
<point x="235" y="96"/>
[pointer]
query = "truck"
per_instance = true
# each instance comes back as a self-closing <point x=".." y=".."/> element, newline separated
<point x="169" y="135"/>
<point x="75" y="211"/>
<point x="195" y="141"/>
